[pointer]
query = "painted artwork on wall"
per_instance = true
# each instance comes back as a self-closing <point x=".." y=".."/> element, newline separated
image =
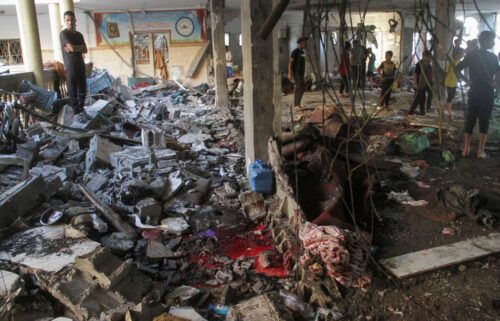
<point x="185" y="26"/>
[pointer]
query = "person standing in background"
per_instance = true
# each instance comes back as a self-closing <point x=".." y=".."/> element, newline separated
<point x="388" y="69"/>
<point x="74" y="47"/>
<point x="296" y="70"/>
<point x="229" y="63"/>
<point x="371" y="67"/>
<point x="344" y="68"/>
<point x="450" y="80"/>
<point x="422" y="82"/>
<point x="484" y="71"/>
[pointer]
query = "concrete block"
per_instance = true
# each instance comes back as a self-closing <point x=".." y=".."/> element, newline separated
<point x="104" y="267"/>
<point x="65" y="116"/>
<point x="9" y="282"/>
<point x="29" y="151"/>
<point x="133" y="287"/>
<point x="118" y="241"/>
<point x="101" y="106"/>
<point x="99" y="152"/>
<point x="45" y="249"/>
<point x="83" y="297"/>
<point x="263" y="307"/>
<point x="125" y="161"/>
<point x="153" y="137"/>
<point x="156" y="250"/>
<point x="20" y="199"/>
<point x="149" y="207"/>
<point x="50" y="170"/>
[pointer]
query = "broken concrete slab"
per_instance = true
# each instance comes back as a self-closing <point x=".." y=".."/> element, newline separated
<point x="9" y="282"/>
<point x="50" y="170"/>
<point x="12" y="160"/>
<point x="118" y="241"/>
<point x="65" y="116"/>
<point x="169" y="317"/>
<point x="215" y="217"/>
<point x="99" y="153"/>
<point x="19" y="199"/>
<point x="125" y="161"/>
<point x="28" y="151"/>
<point x="264" y="307"/>
<point x="102" y="106"/>
<point x="187" y="313"/>
<point x="156" y="250"/>
<point x="83" y="297"/>
<point x="45" y="249"/>
<point x="149" y="207"/>
<point x="153" y="137"/>
<point x="104" y="267"/>
<point x="133" y="287"/>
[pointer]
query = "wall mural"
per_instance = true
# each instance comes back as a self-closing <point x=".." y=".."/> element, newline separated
<point x="185" y="26"/>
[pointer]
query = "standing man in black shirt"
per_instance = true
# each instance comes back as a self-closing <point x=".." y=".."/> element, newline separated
<point x="73" y="47"/>
<point x="296" y="70"/>
<point x="483" y="68"/>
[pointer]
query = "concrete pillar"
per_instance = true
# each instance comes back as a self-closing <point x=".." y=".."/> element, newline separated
<point x="259" y="80"/>
<point x="219" y="53"/>
<point x="407" y="30"/>
<point x="445" y="13"/>
<point x="66" y="5"/>
<point x="55" y="29"/>
<point x="30" y="39"/>
<point x="407" y="47"/>
<point x="277" y="78"/>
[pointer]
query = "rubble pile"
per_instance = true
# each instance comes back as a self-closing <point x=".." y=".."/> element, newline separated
<point x="137" y="208"/>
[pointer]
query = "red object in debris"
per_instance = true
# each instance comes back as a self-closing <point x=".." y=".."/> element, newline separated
<point x="152" y="234"/>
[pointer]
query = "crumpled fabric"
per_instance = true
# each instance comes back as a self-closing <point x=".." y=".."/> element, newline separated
<point x="466" y="201"/>
<point x="343" y="252"/>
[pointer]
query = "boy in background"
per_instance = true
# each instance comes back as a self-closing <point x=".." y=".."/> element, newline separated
<point x="388" y="69"/>
<point x="450" y="80"/>
<point x="422" y="81"/>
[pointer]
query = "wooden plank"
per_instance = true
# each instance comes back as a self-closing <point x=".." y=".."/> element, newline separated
<point x="442" y="256"/>
<point x="195" y="64"/>
<point x="111" y="215"/>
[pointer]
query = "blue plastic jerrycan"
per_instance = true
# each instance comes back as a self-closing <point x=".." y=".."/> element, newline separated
<point x="260" y="177"/>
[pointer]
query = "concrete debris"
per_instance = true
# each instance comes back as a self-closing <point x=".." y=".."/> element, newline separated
<point x="65" y="116"/>
<point x="45" y="249"/>
<point x="101" y="106"/>
<point x="253" y="205"/>
<point x="125" y="161"/>
<point x="186" y="313"/>
<point x="99" y="153"/>
<point x="20" y="199"/>
<point x="104" y="267"/>
<point x="263" y="307"/>
<point x="118" y="241"/>
<point x="149" y="207"/>
<point x="9" y="283"/>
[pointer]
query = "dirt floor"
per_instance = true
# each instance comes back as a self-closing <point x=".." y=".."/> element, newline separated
<point x="464" y="292"/>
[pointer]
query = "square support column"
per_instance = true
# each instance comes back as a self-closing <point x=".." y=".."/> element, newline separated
<point x="219" y="53"/>
<point x="258" y="73"/>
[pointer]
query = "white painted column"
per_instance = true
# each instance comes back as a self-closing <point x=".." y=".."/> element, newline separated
<point x="30" y="39"/>
<point x="66" y="5"/>
<point x="55" y="29"/>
